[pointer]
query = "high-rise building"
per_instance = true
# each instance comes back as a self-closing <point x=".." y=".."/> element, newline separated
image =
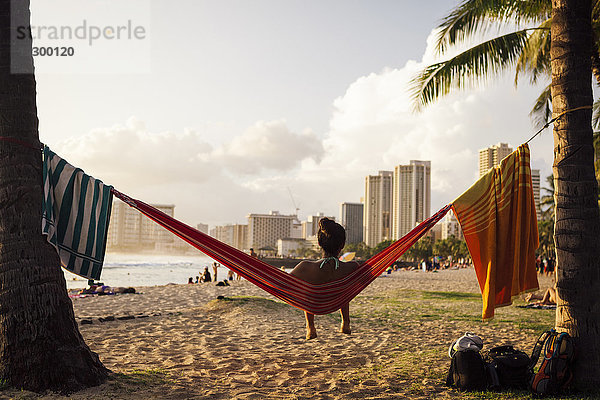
<point x="411" y="196"/>
<point x="129" y="230"/>
<point x="378" y="208"/>
<point x="235" y="235"/>
<point x="491" y="156"/>
<point x="265" y="229"/>
<point x="451" y="227"/>
<point x="223" y="233"/>
<point x="202" y="228"/>
<point x="535" y="183"/>
<point x="351" y="218"/>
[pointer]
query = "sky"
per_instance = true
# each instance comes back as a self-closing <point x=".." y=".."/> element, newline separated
<point x="230" y="107"/>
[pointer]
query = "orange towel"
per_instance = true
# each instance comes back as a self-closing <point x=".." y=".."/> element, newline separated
<point x="497" y="215"/>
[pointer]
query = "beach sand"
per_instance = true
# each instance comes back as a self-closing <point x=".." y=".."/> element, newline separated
<point x="184" y="343"/>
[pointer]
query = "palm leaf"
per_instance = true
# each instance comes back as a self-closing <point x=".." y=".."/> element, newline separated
<point x="535" y="57"/>
<point x="468" y="68"/>
<point x="542" y="109"/>
<point x="478" y="16"/>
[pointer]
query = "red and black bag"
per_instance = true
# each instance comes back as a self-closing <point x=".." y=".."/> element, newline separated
<point x="555" y="373"/>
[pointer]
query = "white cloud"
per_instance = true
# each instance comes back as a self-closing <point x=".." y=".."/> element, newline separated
<point x="207" y="182"/>
<point x="128" y="155"/>
<point x="267" y="145"/>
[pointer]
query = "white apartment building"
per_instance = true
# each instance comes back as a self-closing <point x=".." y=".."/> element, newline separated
<point x="535" y="183"/>
<point x="202" y="228"/>
<point x="265" y="229"/>
<point x="235" y="235"/>
<point x="291" y="247"/>
<point x="378" y="208"/>
<point x="451" y="227"/>
<point x="351" y="218"/>
<point x="491" y="156"/>
<point x="130" y="230"/>
<point x="411" y="196"/>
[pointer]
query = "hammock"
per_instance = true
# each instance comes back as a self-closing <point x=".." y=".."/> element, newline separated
<point x="316" y="299"/>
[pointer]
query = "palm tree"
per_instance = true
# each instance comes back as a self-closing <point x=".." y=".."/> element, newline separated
<point x="558" y="38"/>
<point x="40" y="345"/>
<point x="577" y="226"/>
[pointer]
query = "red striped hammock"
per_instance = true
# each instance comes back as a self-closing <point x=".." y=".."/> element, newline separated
<point x="317" y="299"/>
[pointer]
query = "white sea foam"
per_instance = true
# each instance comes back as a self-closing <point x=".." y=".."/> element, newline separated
<point x="148" y="270"/>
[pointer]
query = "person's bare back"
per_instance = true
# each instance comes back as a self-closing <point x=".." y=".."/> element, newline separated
<point x="312" y="272"/>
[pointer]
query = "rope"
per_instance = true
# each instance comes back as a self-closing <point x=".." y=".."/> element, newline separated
<point x="22" y="143"/>
<point x="557" y="117"/>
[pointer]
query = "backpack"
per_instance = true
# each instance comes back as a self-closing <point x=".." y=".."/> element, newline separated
<point x="508" y="368"/>
<point x="555" y="373"/>
<point x="467" y="371"/>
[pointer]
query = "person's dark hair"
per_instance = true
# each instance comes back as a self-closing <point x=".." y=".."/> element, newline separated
<point x="331" y="236"/>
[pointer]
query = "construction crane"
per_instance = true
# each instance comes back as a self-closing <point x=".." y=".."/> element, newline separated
<point x="296" y="208"/>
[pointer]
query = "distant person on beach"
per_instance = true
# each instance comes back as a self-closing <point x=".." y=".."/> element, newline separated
<point x="230" y="275"/>
<point x="206" y="275"/>
<point x="332" y="238"/>
<point x="215" y="269"/>
<point x="253" y="253"/>
<point x="548" y="298"/>
<point x="191" y="281"/>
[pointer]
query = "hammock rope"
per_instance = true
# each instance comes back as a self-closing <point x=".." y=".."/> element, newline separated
<point x="316" y="299"/>
<point x="547" y="124"/>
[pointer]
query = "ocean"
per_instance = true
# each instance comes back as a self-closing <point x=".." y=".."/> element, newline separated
<point x="147" y="270"/>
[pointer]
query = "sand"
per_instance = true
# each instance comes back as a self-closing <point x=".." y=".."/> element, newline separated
<point x="184" y="343"/>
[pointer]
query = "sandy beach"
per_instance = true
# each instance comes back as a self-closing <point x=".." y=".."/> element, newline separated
<point x="179" y="341"/>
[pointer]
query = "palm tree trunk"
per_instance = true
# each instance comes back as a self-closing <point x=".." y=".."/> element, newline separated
<point x="577" y="229"/>
<point x="40" y="345"/>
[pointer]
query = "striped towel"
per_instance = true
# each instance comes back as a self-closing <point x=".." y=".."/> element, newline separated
<point x="75" y="215"/>
<point x="497" y="215"/>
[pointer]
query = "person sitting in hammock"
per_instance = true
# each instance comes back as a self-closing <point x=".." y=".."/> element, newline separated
<point x="332" y="238"/>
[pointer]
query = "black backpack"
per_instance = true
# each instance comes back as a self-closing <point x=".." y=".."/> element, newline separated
<point x="508" y="368"/>
<point x="467" y="371"/>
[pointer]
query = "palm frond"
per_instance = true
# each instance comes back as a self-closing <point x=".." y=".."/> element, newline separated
<point x="595" y="10"/>
<point x="542" y="109"/>
<point x="534" y="60"/>
<point x="478" y="16"/>
<point x="469" y="67"/>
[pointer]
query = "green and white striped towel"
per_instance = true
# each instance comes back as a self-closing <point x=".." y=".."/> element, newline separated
<point x="75" y="215"/>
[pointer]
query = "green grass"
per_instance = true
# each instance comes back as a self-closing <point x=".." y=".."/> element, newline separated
<point x="417" y="367"/>
<point x="451" y="296"/>
<point x="137" y="379"/>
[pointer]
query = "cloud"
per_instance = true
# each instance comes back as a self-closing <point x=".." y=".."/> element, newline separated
<point x="215" y="183"/>
<point x="129" y="155"/>
<point x="267" y="145"/>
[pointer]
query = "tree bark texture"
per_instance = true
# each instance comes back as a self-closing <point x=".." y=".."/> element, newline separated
<point x="577" y="228"/>
<point x="40" y="344"/>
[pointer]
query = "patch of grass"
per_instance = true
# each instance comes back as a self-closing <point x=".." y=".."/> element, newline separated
<point x="247" y="301"/>
<point x="137" y="378"/>
<point x="451" y="296"/>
